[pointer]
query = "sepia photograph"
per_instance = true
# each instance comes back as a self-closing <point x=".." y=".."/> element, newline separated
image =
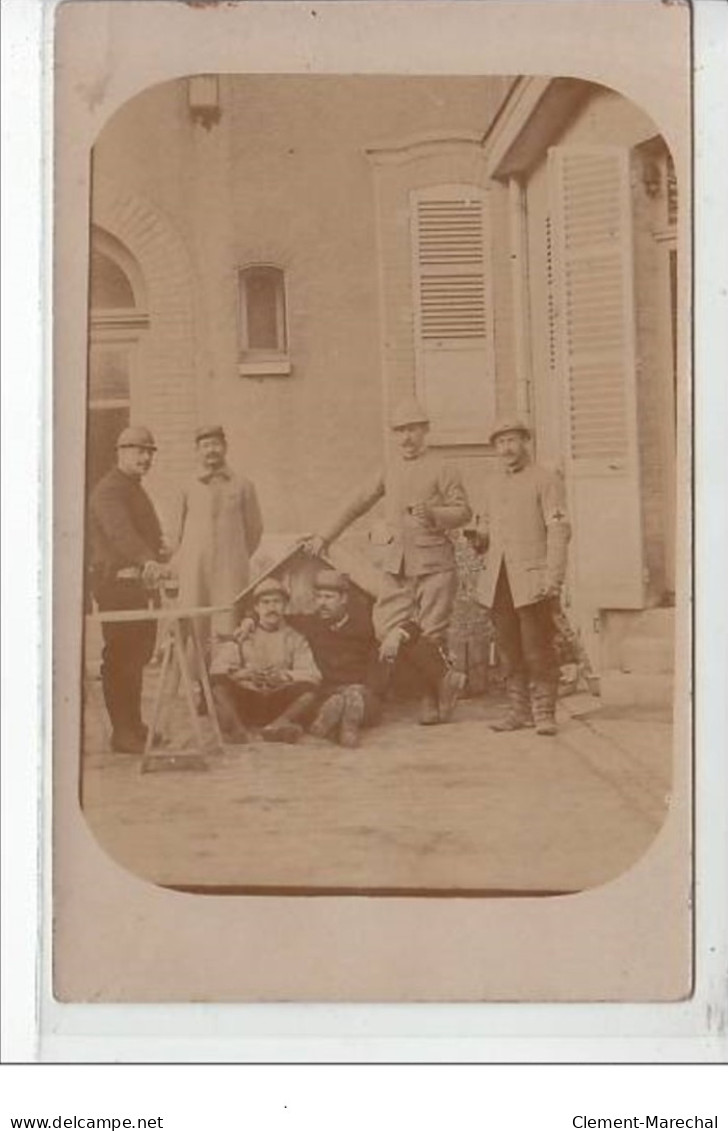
<point x="381" y="480"/>
<point x="377" y="501"/>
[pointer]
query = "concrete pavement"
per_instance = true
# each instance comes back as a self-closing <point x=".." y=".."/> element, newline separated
<point x="453" y="809"/>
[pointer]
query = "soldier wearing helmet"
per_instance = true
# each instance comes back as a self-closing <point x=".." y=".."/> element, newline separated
<point x="126" y="564"/>
<point x="524" y="533"/>
<point x="424" y="499"/>
<point x="267" y="676"/>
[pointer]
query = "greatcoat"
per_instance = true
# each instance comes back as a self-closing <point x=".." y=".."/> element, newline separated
<point x="219" y="528"/>
<point x="522" y="516"/>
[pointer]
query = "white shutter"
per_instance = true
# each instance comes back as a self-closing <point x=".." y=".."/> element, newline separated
<point x="452" y="308"/>
<point x="593" y="304"/>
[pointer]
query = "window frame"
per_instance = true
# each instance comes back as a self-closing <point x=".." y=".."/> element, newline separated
<point x="263" y="362"/>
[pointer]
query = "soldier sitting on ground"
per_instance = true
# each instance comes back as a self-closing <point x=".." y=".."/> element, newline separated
<point x="342" y="640"/>
<point x="341" y="637"/>
<point x="266" y="678"/>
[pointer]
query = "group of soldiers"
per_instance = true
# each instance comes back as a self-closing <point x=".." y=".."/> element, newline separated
<point x="327" y="672"/>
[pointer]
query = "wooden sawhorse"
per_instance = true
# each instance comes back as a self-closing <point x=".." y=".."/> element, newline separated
<point x="181" y="632"/>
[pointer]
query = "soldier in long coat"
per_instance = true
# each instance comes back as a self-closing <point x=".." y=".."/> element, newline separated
<point x="524" y="531"/>
<point x="219" y="527"/>
<point x="424" y="499"/>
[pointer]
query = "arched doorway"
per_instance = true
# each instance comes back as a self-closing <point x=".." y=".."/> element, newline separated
<point x="117" y="322"/>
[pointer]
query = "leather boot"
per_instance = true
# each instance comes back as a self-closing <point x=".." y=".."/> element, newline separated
<point x="426" y="657"/>
<point x="429" y="710"/>
<point x="287" y="727"/>
<point x="449" y="691"/>
<point x="127" y="742"/>
<point x="518" y="713"/>
<point x="328" y="717"/>
<point x="352" y="718"/>
<point x="544" y="706"/>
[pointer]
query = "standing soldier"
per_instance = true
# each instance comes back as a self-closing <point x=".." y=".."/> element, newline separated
<point x="219" y="529"/>
<point x="524" y="529"/>
<point x="424" y="500"/>
<point x="126" y="551"/>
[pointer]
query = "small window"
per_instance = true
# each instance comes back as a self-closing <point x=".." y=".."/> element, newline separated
<point x="263" y="331"/>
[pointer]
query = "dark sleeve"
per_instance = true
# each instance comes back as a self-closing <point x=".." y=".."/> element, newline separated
<point x="111" y="511"/>
<point x="300" y="621"/>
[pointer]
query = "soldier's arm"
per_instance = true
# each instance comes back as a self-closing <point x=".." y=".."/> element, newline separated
<point x="358" y="505"/>
<point x="112" y="514"/>
<point x="453" y="509"/>
<point x="558" y="528"/>
<point x="303" y="667"/>
<point x="478" y="531"/>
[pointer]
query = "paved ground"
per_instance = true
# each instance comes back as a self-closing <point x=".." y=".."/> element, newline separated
<point x="453" y="808"/>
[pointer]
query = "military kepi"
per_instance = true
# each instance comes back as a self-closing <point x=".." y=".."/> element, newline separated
<point x="208" y="431"/>
<point x="136" y="436"/>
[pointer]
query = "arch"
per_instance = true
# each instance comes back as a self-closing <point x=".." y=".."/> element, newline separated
<point x="112" y="249"/>
<point x="146" y="246"/>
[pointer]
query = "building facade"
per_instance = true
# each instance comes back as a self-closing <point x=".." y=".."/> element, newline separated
<point x="291" y="255"/>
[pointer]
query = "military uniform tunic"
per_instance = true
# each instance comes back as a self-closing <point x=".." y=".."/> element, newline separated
<point x="419" y="579"/>
<point x="523" y="515"/>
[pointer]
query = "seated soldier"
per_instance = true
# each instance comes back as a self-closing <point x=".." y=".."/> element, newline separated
<point x="344" y="647"/>
<point x="268" y="677"/>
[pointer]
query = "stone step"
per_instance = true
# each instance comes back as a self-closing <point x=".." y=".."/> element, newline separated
<point x="653" y="655"/>
<point x="642" y="689"/>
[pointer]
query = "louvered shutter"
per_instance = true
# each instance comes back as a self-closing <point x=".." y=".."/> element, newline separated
<point x="595" y="356"/>
<point x="451" y="292"/>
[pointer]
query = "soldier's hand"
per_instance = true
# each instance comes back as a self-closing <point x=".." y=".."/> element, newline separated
<point x="477" y="539"/>
<point x="421" y="511"/>
<point x="152" y="574"/>
<point x="276" y="678"/>
<point x="313" y="544"/>
<point x="242" y="676"/>
<point x="390" y="646"/>
<point x="245" y="629"/>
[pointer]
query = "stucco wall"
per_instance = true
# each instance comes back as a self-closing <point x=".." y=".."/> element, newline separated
<point x="282" y="178"/>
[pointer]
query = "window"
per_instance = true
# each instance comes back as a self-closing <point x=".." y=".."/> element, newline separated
<point x="263" y="331"/>
<point x="116" y="325"/>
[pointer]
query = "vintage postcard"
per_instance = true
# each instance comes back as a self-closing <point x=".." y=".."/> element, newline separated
<point x="372" y="502"/>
